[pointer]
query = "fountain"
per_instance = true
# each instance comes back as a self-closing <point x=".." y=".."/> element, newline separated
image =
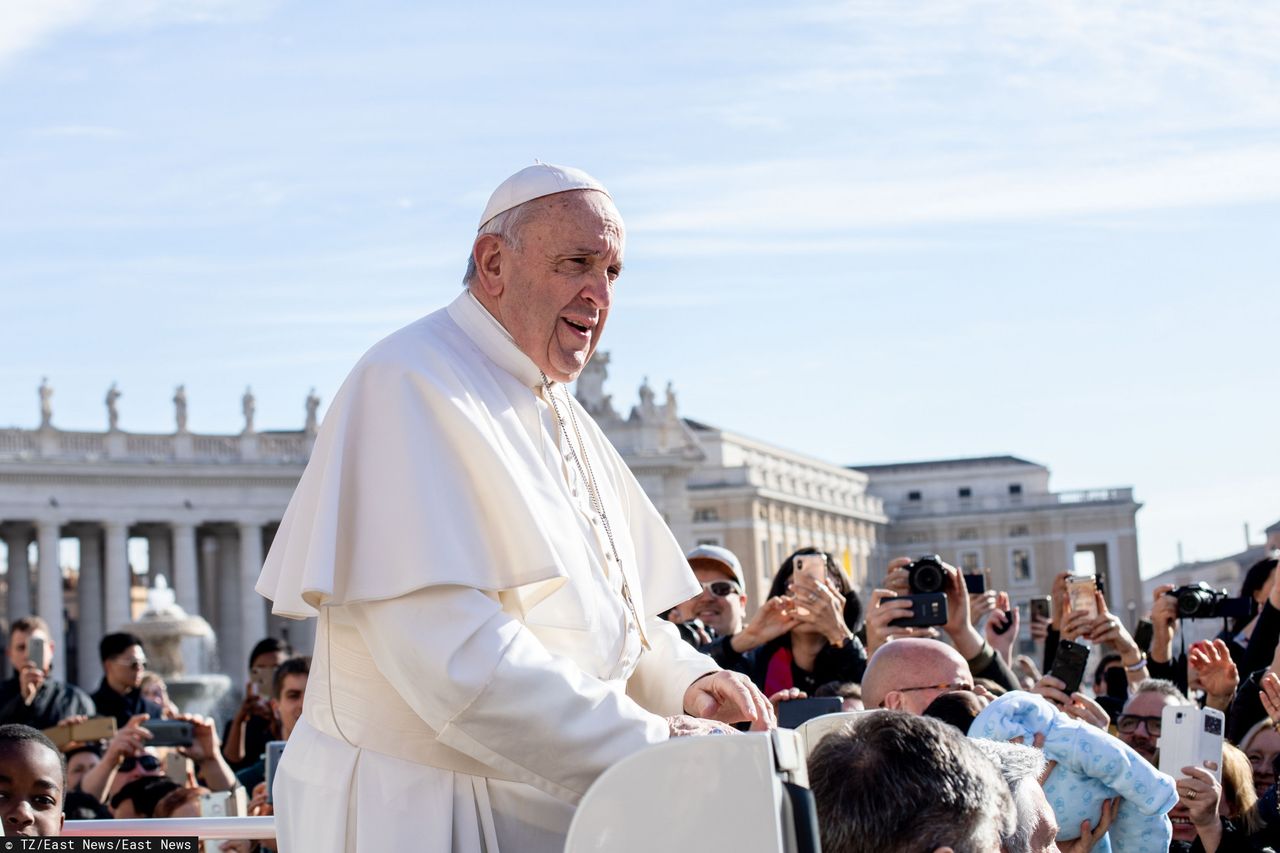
<point x="170" y="636"/>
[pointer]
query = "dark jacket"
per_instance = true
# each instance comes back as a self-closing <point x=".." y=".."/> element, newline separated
<point x="55" y="701"/>
<point x="846" y="663"/>
<point x="112" y="704"/>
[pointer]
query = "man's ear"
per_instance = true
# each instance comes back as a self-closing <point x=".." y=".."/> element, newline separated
<point x="893" y="701"/>
<point x="490" y="255"/>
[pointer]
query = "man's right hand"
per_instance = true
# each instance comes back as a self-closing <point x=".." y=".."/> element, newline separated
<point x="29" y="681"/>
<point x="682" y="725"/>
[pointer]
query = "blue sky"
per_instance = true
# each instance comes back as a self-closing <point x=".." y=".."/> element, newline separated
<point x="866" y="231"/>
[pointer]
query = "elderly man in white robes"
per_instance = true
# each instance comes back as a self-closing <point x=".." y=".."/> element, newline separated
<point x="486" y="571"/>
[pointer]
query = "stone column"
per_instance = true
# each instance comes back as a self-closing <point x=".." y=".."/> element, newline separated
<point x="89" y="668"/>
<point x="231" y="651"/>
<point x="49" y="590"/>
<point x="159" y="556"/>
<point x="185" y="583"/>
<point x="117" y="601"/>
<point x="18" y="537"/>
<point x="253" y="610"/>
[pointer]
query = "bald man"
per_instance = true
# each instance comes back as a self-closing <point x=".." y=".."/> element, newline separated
<point x="909" y="673"/>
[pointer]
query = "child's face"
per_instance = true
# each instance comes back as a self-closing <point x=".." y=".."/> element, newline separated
<point x="30" y="789"/>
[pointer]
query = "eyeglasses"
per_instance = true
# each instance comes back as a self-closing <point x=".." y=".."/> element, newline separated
<point x="131" y="663"/>
<point x="960" y="685"/>
<point x="149" y="763"/>
<point x="1128" y="724"/>
<point x="723" y="589"/>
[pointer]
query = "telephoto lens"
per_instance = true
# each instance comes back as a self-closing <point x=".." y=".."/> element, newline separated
<point x="925" y="575"/>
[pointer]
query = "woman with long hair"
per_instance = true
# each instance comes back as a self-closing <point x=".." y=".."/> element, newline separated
<point x="821" y="645"/>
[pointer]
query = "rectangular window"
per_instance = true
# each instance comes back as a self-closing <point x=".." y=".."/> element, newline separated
<point x="1015" y="488"/>
<point x="913" y="496"/>
<point x="966" y="492"/>
<point x="970" y="562"/>
<point x="1019" y="530"/>
<point x="967" y="534"/>
<point x="1020" y="564"/>
<point x="711" y="541"/>
<point x="917" y="537"/>
<point x="706" y="514"/>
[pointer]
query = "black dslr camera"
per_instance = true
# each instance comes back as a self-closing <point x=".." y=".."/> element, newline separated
<point x="1200" y="601"/>
<point x="926" y="575"/>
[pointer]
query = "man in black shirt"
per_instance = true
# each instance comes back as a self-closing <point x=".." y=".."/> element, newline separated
<point x="119" y="695"/>
<point x="31" y="697"/>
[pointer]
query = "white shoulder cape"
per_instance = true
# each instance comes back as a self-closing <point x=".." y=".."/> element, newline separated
<point x="425" y="472"/>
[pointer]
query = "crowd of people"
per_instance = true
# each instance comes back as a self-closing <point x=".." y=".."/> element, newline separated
<point x="920" y="771"/>
<point x="913" y="774"/>
<point x="56" y="765"/>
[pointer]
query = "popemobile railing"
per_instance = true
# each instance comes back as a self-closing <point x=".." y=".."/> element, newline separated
<point x="219" y="828"/>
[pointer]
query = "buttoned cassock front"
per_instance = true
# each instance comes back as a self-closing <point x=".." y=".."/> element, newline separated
<point x="476" y="665"/>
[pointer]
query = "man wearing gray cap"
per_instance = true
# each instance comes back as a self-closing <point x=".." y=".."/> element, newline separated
<point x="486" y="571"/>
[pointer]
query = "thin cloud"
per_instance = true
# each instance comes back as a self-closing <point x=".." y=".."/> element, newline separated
<point x="77" y="131"/>
<point x="831" y="195"/>
<point x="26" y="25"/>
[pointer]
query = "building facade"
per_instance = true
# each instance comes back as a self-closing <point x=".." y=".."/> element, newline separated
<point x="89" y="519"/>
<point x="999" y="514"/>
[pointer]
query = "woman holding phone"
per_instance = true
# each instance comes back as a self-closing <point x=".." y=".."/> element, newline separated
<point x="820" y="646"/>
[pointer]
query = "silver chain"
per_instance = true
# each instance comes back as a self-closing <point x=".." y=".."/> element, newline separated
<point x="583" y="465"/>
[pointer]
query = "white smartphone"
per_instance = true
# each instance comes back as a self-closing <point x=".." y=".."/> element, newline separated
<point x="1189" y="737"/>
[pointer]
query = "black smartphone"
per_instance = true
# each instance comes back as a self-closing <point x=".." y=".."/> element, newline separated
<point x="1069" y="664"/>
<point x="170" y="732"/>
<point x="793" y="712"/>
<point x="1142" y="635"/>
<point x="927" y="609"/>
<point x="1041" y="607"/>
<point x="975" y="583"/>
<point x="1008" y="623"/>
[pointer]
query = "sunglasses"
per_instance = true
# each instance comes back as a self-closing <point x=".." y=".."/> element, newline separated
<point x="1128" y="723"/>
<point x="149" y="763"/>
<point x="723" y="589"/>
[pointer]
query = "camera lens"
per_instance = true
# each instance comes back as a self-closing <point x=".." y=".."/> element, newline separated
<point x="925" y="576"/>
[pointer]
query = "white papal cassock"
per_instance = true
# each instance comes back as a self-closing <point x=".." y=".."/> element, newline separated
<point x="476" y="667"/>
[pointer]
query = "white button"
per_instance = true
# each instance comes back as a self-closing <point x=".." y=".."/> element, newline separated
<point x="609" y="556"/>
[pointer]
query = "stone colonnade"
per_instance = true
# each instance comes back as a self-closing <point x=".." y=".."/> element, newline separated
<point x="212" y="567"/>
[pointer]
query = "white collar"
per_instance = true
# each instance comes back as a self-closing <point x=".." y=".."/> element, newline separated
<point x="492" y="339"/>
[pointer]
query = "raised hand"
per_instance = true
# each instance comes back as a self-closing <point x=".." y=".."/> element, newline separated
<point x="881" y="612"/>
<point x="774" y="618"/>
<point x="1219" y="675"/>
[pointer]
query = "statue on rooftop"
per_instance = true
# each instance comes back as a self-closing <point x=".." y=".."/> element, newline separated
<point x="180" y="408"/>
<point x="46" y="403"/>
<point x="248" y="406"/>
<point x="313" y="407"/>
<point x="113" y="411"/>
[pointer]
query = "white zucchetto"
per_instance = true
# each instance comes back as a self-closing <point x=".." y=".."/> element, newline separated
<point x="534" y="182"/>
